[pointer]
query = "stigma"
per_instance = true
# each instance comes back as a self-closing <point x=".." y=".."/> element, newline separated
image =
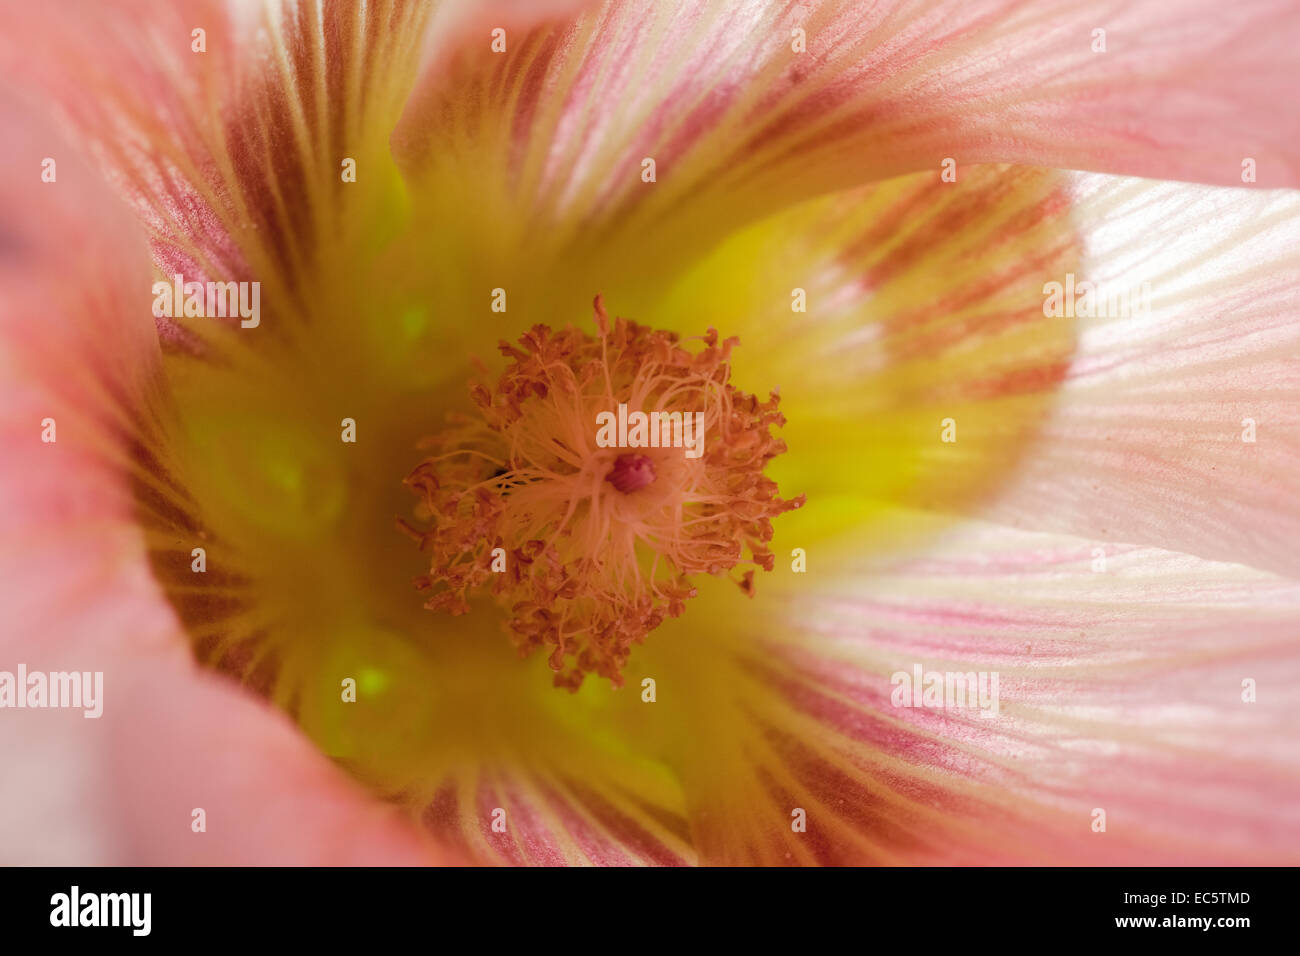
<point x="585" y="545"/>
<point x="631" y="472"/>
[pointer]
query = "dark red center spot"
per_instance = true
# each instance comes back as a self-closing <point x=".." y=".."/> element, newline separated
<point x="631" y="472"/>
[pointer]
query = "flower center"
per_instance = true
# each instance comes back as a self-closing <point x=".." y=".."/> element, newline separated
<point x="631" y="472"/>
<point x="587" y="547"/>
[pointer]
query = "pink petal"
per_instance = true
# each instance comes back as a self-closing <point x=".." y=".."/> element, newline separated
<point x="1149" y="442"/>
<point x="552" y="817"/>
<point x="233" y="157"/>
<point x="78" y="346"/>
<point x="1119" y="690"/>
<point x="926" y="304"/>
<point x="715" y="94"/>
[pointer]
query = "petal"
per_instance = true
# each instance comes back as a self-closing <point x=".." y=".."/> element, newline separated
<point x="894" y="318"/>
<point x="544" y="817"/>
<point x="546" y="141"/>
<point x="236" y="157"/>
<point x="1120" y="689"/>
<point x="264" y="157"/>
<point x="491" y="759"/>
<point x="1177" y="426"/>
<point x="1168" y="419"/>
<point x="78" y="346"/>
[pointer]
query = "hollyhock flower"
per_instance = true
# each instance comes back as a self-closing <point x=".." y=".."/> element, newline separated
<point x="1040" y="415"/>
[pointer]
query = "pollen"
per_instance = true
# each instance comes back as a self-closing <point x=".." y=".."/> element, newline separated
<point x="589" y="548"/>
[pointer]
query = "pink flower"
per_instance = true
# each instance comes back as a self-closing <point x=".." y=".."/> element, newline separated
<point x="1045" y="423"/>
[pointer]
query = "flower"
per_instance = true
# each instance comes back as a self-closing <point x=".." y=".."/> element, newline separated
<point x="1095" y="507"/>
